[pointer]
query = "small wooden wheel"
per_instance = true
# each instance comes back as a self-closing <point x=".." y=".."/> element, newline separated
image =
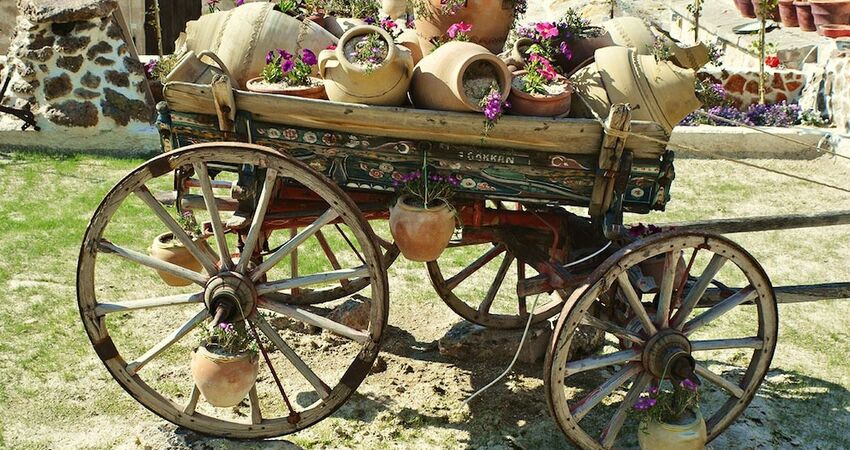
<point x="730" y="333"/>
<point x="141" y="328"/>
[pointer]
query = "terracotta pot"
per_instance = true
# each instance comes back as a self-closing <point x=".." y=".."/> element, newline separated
<point x="410" y="40"/>
<point x="421" y="234"/>
<point x="224" y="381"/>
<point x="525" y="104"/>
<point x="788" y="14"/>
<point x="771" y="15"/>
<point x="654" y="267"/>
<point x="166" y="248"/>
<point x="746" y="8"/>
<point x="317" y="90"/>
<point x="491" y="22"/>
<point x="830" y="12"/>
<point x="834" y="31"/>
<point x="394" y="8"/>
<point x="805" y="17"/>
<point x="386" y="84"/>
<point x="654" y="435"/>
<point x="583" y="51"/>
<point x="242" y="36"/>
<point x="444" y="79"/>
<point x="337" y="26"/>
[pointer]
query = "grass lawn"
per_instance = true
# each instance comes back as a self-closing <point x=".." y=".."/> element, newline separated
<point x="54" y="393"/>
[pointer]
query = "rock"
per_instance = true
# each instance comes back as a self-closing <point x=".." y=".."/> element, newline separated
<point x="99" y="48"/>
<point x="86" y="94"/>
<point x="134" y="66"/>
<point x="41" y="40"/>
<point x="101" y="61"/>
<point x="63" y="11"/>
<point x="84" y="25"/>
<point x="114" y="31"/>
<point x="468" y="341"/>
<point x="73" y="113"/>
<point x="25" y="87"/>
<point x="379" y="366"/>
<point x="353" y="313"/>
<point x="123" y="110"/>
<point x="70" y="63"/>
<point x="40" y="55"/>
<point x="120" y="79"/>
<point x="90" y="80"/>
<point x="56" y="87"/>
<point x="73" y="44"/>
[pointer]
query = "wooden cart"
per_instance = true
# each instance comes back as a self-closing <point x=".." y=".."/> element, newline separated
<point x="324" y="170"/>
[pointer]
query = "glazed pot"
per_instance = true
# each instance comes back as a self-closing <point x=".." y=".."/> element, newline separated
<point x="456" y="75"/>
<point x="788" y="14"/>
<point x="386" y="84"/>
<point x="654" y="435"/>
<point x="224" y="380"/>
<point x="525" y="104"/>
<point x="166" y="248"/>
<point x="316" y="90"/>
<point x="192" y="69"/>
<point x="746" y="8"/>
<point x="421" y="234"/>
<point x="394" y="9"/>
<point x="834" y="31"/>
<point x="830" y="12"/>
<point x="805" y="17"/>
<point x="491" y="22"/>
<point x="583" y="51"/>
<point x="771" y="15"/>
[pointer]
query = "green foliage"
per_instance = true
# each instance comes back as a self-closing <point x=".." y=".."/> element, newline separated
<point x="287" y="6"/>
<point x="189" y="224"/>
<point x="370" y="51"/>
<point x="351" y="8"/>
<point x="228" y="339"/>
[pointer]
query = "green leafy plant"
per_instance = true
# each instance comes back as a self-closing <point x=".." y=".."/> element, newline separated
<point x="668" y="405"/>
<point x="284" y="67"/>
<point x="574" y="25"/>
<point x="228" y="339"/>
<point x="359" y="9"/>
<point x="426" y="190"/>
<point x="189" y="224"/>
<point x="159" y="69"/>
<point x="287" y="6"/>
<point x="539" y="76"/>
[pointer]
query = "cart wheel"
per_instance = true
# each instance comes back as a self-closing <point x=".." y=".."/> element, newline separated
<point x="732" y="345"/>
<point x="485" y="291"/>
<point x="145" y="338"/>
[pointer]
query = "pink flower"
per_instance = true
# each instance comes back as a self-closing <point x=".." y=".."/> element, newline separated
<point x="459" y="28"/>
<point x="547" y="30"/>
<point x="545" y="70"/>
<point x="331" y="47"/>
<point x="308" y="57"/>
<point x="388" y="24"/>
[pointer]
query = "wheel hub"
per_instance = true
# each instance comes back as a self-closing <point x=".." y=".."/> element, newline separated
<point x="668" y="355"/>
<point x="230" y="297"/>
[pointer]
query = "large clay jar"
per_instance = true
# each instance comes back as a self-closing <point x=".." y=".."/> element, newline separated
<point x="788" y="14"/>
<point x="386" y="84"/>
<point x="491" y="22"/>
<point x="582" y="50"/>
<point x="242" y="36"/>
<point x="805" y="17"/>
<point x="654" y="435"/>
<point x="831" y="12"/>
<point x="166" y="248"/>
<point x="224" y="380"/>
<point x="525" y="104"/>
<point x="421" y="234"/>
<point x="453" y="77"/>
<point x="746" y="8"/>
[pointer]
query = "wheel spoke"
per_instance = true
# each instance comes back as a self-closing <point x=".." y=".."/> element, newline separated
<point x="215" y="217"/>
<point x="698" y="290"/>
<point x="329" y="253"/>
<point x="718" y="380"/>
<point x="522" y="305"/>
<point x="145" y="260"/>
<point x="491" y="254"/>
<point x="321" y="388"/>
<point x="256" y="413"/>
<point x="193" y="401"/>
<point x="257" y="222"/>
<point x="722" y="344"/>
<point x="609" y="434"/>
<point x="134" y="366"/>
<point x="176" y="230"/>
<point x="484" y="308"/>
<point x="665" y="296"/>
<point x="744" y="295"/>
<point x="583" y="406"/>
<point x="293" y="243"/>
<point x="634" y="302"/>
<point x="309" y="280"/>
<point x="103" y="309"/>
<point x="612" y="328"/>
<point x="316" y="320"/>
<point x="599" y="361"/>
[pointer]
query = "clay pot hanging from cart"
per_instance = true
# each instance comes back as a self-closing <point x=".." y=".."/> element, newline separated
<point x="491" y="22"/>
<point x="746" y="8"/>
<point x="654" y="435"/>
<point x="166" y="248"/>
<point x="555" y="104"/>
<point x="421" y="234"/>
<point x="788" y="14"/>
<point x="831" y="12"/>
<point x="316" y="90"/>
<point x="457" y="76"/>
<point x="224" y="380"/>
<point x="350" y="82"/>
<point x="804" y="16"/>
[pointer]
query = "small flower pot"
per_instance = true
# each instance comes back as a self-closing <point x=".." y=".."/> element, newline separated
<point x="830" y="12"/>
<point x="552" y="105"/>
<point x="690" y="435"/>
<point x="834" y="31"/>
<point x="771" y="15"/>
<point x="746" y="8"/>
<point x="166" y="248"/>
<point x="316" y="90"/>
<point x="421" y="234"/>
<point x="805" y="17"/>
<point x="224" y="380"/>
<point x="788" y="14"/>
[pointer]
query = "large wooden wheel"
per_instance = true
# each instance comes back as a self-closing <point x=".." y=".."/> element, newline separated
<point x="143" y="330"/>
<point x="731" y="334"/>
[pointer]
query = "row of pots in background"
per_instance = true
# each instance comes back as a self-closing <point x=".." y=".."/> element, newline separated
<point x="830" y="18"/>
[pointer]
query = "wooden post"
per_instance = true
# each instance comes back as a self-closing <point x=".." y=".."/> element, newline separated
<point x="609" y="159"/>
<point x="225" y="104"/>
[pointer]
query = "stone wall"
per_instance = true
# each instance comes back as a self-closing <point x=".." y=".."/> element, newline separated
<point x="743" y="86"/>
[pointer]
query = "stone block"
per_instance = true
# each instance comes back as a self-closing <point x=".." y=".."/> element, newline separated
<point x="62" y="11"/>
<point x="73" y="113"/>
<point x="122" y="109"/>
<point x="353" y="313"/>
<point x="56" y="87"/>
<point x="468" y="341"/>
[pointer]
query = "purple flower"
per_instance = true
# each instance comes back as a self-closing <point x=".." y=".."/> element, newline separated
<point x="645" y="403"/>
<point x="309" y="57"/>
<point x="269" y="57"/>
<point x="287" y="65"/>
<point x="150" y="66"/>
<point x="689" y="385"/>
<point x="653" y="390"/>
<point x="410" y="22"/>
<point x="227" y="327"/>
<point x="565" y="50"/>
<point x="370" y="20"/>
<point x="284" y="54"/>
<point x="240" y="2"/>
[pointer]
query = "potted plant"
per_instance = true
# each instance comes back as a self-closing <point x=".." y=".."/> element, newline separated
<point x="830" y="12"/>
<point x="788" y="14"/>
<point x="166" y="247"/>
<point x="671" y="419"/>
<point x="491" y="20"/>
<point x="540" y="90"/>
<point x="422" y="221"/>
<point x="804" y="16"/>
<point x="288" y="74"/>
<point x="582" y="39"/>
<point x="225" y="364"/>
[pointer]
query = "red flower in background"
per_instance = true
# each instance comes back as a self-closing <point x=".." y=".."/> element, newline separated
<point x="772" y="61"/>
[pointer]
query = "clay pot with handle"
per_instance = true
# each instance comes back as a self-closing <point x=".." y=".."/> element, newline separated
<point x="192" y="69"/>
<point x="166" y="248"/>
